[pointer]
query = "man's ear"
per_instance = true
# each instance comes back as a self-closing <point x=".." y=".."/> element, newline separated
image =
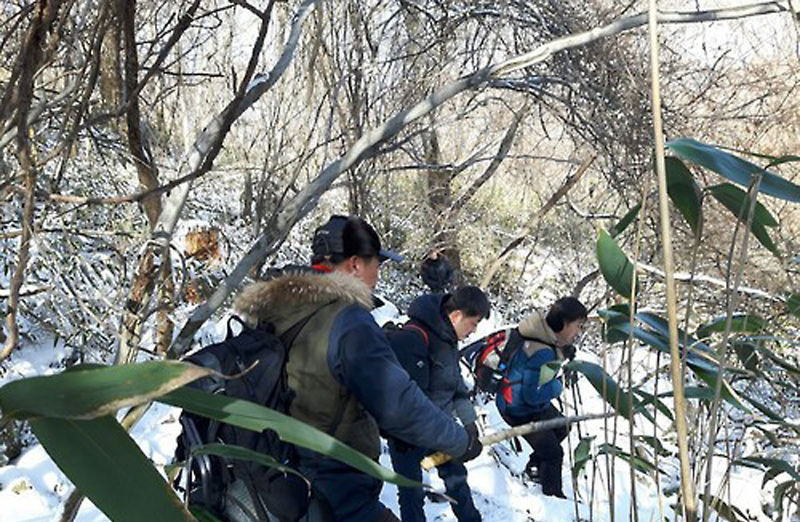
<point x="350" y="265"/>
<point x="455" y="316"/>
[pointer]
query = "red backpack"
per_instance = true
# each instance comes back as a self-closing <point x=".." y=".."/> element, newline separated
<point x="489" y="359"/>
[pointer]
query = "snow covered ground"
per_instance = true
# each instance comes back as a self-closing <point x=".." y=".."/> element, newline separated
<point x="32" y="488"/>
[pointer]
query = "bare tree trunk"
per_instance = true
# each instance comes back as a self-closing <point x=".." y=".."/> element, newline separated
<point x="144" y="282"/>
<point x="28" y="61"/>
<point x="444" y="236"/>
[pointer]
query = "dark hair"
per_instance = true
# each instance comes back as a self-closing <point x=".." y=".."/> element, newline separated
<point x="563" y="311"/>
<point x="470" y="300"/>
<point x="342" y="237"/>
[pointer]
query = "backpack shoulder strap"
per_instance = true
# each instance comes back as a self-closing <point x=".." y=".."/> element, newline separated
<point x="288" y="337"/>
<point x="410" y="325"/>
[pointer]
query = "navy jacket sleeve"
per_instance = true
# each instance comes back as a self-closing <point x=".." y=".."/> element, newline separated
<point x="362" y="360"/>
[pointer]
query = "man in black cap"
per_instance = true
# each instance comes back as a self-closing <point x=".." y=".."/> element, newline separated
<point x="346" y="379"/>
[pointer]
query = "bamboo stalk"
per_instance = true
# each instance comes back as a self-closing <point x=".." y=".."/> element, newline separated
<point x="687" y="486"/>
<point x="438" y="458"/>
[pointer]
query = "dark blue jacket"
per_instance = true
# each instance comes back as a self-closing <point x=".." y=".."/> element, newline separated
<point x="362" y="360"/>
<point x="434" y="365"/>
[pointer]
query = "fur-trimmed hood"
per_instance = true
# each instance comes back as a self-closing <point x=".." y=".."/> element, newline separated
<point x="535" y="327"/>
<point x="270" y="300"/>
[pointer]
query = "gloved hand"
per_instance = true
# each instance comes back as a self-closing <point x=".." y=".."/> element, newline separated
<point x="570" y="378"/>
<point x="474" y="446"/>
<point x="568" y="351"/>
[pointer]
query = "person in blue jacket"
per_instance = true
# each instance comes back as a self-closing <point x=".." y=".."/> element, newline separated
<point x="548" y="337"/>
<point x="344" y="375"/>
<point x="427" y="347"/>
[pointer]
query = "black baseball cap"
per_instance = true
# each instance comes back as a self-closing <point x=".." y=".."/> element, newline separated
<point x="349" y="236"/>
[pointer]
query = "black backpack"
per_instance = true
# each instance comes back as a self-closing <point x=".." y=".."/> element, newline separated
<point x="399" y="336"/>
<point x="489" y="359"/>
<point x="234" y="489"/>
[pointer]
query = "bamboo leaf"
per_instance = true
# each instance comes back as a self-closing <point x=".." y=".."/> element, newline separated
<point x="652" y="399"/>
<point x="637" y="462"/>
<point x="780" y="492"/>
<point x="614" y="315"/>
<point x="614" y="265"/>
<point x="734" y="168"/>
<point x="736" y="200"/>
<point x="793" y="304"/>
<point x="747" y="354"/>
<point x="684" y="192"/>
<point x="582" y="455"/>
<point x="230" y="451"/>
<point x="548" y="372"/>
<point x="92" y="391"/>
<point x="773" y="160"/>
<point x="740" y="323"/>
<point x="626" y="220"/>
<point x="654" y="443"/>
<point x="251" y="416"/>
<point x="203" y="515"/>
<point x="726" y="392"/>
<point x="728" y="512"/>
<point x="104" y="463"/>
<point x="622" y="402"/>
<point x="660" y="325"/>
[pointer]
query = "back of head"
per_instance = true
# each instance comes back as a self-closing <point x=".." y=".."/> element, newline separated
<point x="436" y="272"/>
<point x="565" y="310"/>
<point x="346" y="236"/>
<point x="470" y="301"/>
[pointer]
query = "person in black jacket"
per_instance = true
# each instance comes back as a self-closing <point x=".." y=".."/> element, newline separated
<point x="437" y="272"/>
<point x="345" y="376"/>
<point x="427" y="347"/>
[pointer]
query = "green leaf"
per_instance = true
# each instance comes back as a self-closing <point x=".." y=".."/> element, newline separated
<point x="684" y="192"/>
<point x="614" y="265"/>
<point x="780" y="492"/>
<point x="105" y="464"/>
<point x="777" y="464"/>
<point x="614" y="315"/>
<point x="736" y="200"/>
<point x="735" y="169"/>
<point x="582" y="455"/>
<point x="649" y="398"/>
<point x="548" y="372"/>
<point x="740" y="323"/>
<point x="705" y="369"/>
<point x="660" y="325"/>
<point x="746" y="352"/>
<point x="793" y="304"/>
<point x="638" y="463"/>
<point x="203" y="515"/>
<point x="230" y="451"/>
<point x="626" y="220"/>
<point x="726" y="392"/>
<point x="773" y="160"/>
<point x="90" y="392"/>
<point x="723" y="509"/>
<point x="251" y="416"/>
<point x="622" y="402"/>
<point x="783" y="363"/>
<point x="654" y="443"/>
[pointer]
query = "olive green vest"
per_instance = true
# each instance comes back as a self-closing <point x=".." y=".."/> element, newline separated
<point x="320" y="400"/>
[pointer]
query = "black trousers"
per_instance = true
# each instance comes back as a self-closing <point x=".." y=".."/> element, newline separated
<point x="547" y="454"/>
